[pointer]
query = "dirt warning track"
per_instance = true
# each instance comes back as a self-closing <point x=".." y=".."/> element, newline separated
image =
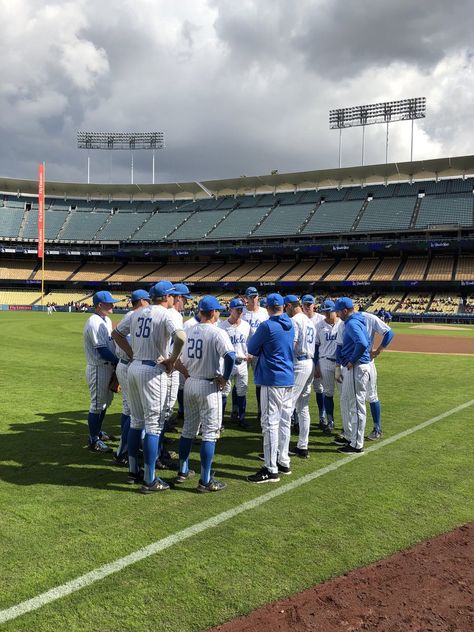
<point x="432" y="344"/>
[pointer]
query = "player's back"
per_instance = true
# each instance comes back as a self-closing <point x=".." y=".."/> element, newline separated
<point x="304" y="335"/>
<point x="150" y="329"/>
<point x="205" y="346"/>
<point x="375" y="325"/>
<point x="97" y="333"/>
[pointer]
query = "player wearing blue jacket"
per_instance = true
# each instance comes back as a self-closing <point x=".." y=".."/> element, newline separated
<point x="272" y="344"/>
<point x="352" y="370"/>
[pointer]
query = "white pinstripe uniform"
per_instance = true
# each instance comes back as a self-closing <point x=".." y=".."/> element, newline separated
<point x="317" y="382"/>
<point x="304" y="336"/>
<point x="174" y="376"/>
<point x="122" y="373"/>
<point x="374" y="325"/>
<point x="326" y="339"/>
<point x="254" y="319"/>
<point x="238" y="335"/>
<point x="206" y="344"/>
<point x="187" y="325"/>
<point x="97" y="333"/>
<point x="150" y="329"/>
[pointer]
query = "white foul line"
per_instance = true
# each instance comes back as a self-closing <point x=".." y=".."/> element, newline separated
<point x="113" y="567"/>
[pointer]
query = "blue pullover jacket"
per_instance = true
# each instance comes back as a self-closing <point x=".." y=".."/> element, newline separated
<point x="355" y="343"/>
<point x="272" y="343"/>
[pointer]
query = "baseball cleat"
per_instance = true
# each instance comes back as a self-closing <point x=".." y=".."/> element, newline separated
<point x="348" y="449"/>
<point x="302" y="453"/>
<point x="263" y="476"/>
<point x="327" y="431"/>
<point x="103" y="436"/>
<point x="182" y="477"/>
<point x="120" y="461"/>
<point x="99" y="446"/>
<point x="212" y="486"/>
<point x="374" y="435"/>
<point x="261" y="456"/>
<point x="158" y="485"/>
<point x="283" y="469"/>
<point x="133" y="478"/>
<point x="244" y="424"/>
<point x="341" y="440"/>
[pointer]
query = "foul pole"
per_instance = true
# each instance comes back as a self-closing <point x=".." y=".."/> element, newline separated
<point x="41" y="223"/>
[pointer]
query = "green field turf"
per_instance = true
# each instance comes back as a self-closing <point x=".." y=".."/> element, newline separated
<point x="418" y="329"/>
<point x="66" y="510"/>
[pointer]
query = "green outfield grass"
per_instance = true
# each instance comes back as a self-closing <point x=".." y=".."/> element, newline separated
<point x="66" y="510"/>
<point x="418" y="329"/>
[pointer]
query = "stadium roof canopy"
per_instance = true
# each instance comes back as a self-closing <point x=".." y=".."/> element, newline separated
<point x="460" y="166"/>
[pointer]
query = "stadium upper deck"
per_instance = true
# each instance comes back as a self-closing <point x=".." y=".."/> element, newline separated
<point x="355" y="201"/>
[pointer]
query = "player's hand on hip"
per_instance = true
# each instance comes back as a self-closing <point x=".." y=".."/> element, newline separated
<point x="338" y="374"/>
<point x="374" y="354"/>
<point x="349" y="366"/>
<point x="220" y="382"/>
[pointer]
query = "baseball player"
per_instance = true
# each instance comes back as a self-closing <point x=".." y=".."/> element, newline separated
<point x="254" y="315"/>
<point x="150" y="329"/>
<point x="205" y="347"/>
<point x="238" y="331"/>
<point x="308" y="304"/>
<point x="303" y="352"/>
<point x="352" y="371"/>
<point x="101" y="362"/>
<point x="272" y="345"/>
<point x="325" y="358"/>
<point x="138" y="298"/>
<point x="374" y="326"/>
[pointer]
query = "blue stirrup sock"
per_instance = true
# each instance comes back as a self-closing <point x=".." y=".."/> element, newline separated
<point x="234" y="399"/>
<point x="161" y="443"/>
<point x="224" y="404"/>
<point x="125" y="427"/>
<point x="207" y="454"/>
<point x="181" y="402"/>
<point x="184" y="451"/>
<point x="320" y="402"/>
<point x="241" y="406"/>
<point x="150" y="453"/>
<point x="134" y="440"/>
<point x="93" y="421"/>
<point x="329" y="405"/>
<point x="375" y="410"/>
<point x="257" y="393"/>
<point x="101" y="416"/>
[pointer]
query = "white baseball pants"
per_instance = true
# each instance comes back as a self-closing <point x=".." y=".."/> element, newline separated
<point x="239" y="377"/>
<point x="122" y="375"/>
<point x="353" y="395"/>
<point x="98" y="380"/>
<point x="172" y="391"/>
<point x="202" y="405"/>
<point x="328" y="379"/>
<point x="301" y="394"/>
<point x="277" y="407"/>
<point x="147" y="388"/>
<point x="372" y="395"/>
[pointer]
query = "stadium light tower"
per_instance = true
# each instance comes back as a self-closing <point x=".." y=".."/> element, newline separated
<point x="121" y="140"/>
<point x="388" y="112"/>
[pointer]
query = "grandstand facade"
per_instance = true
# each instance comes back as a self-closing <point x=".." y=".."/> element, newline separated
<point x="399" y="234"/>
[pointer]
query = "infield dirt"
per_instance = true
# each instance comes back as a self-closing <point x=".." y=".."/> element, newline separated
<point x="432" y="344"/>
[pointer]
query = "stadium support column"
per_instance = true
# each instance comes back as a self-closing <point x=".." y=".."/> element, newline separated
<point x="363" y="144"/>
<point x="411" y="150"/>
<point x="340" y="145"/>
<point x="88" y="168"/>
<point x="386" y="146"/>
<point x="131" y="168"/>
<point x="153" y="168"/>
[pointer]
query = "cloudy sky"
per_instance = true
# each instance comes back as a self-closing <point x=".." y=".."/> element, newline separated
<point x="239" y="87"/>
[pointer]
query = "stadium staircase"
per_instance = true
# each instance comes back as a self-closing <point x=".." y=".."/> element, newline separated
<point x="181" y="223"/>
<point x="416" y="210"/>
<point x="307" y="219"/>
<point x="66" y="222"/>
<point x="219" y="222"/>
<point x="101" y="228"/>
<point x="329" y="270"/>
<point x="142" y="224"/>
<point x="359" y="216"/>
<point x="23" y="224"/>
<point x="254" y="229"/>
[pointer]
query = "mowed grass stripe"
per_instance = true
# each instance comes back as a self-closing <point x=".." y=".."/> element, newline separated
<point x="96" y="575"/>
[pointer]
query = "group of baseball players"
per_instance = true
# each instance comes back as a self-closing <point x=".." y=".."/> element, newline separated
<point x="292" y="345"/>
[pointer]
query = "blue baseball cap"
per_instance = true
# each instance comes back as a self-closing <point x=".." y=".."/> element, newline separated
<point x="274" y="300"/>
<point x="263" y="302"/>
<point x="251" y="291"/>
<point x="208" y="303"/>
<point x="236" y="303"/>
<point x="291" y="298"/>
<point x="162" y="288"/>
<point x="343" y="303"/>
<point x="104" y="297"/>
<point x="328" y="306"/>
<point x="307" y="298"/>
<point x="139" y="294"/>
<point x="180" y="289"/>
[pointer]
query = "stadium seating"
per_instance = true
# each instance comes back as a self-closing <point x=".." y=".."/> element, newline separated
<point x="444" y="303"/>
<point x="317" y="271"/>
<point x="197" y="225"/>
<point x="295" y="273"/>
<point x="467" y="305"/>
<point x="284" y="220"/>
<point x="363" y="270"/>
<point x="341" y="270"/>
<point x="56" y="270"/>
<point x="440" y="269"/>
<point x="386" y="270"/>
<point x="160" y="225"/>
<point x="175" y="272"/>
<point x="210" y="268"/>
<point x="257" y="272"/>
<point x="238" y="223"/>
<point x="458" y="185"/>
<point x="222" y="271"/>
<point x="239" y="272"/>
<point x="455" y="209"/>
<point x="465" y="269"/>
<point x="17" y="270"/>
<point x="53" y="221"/>
<point x="10" y="221"/>
<point x="82" y="225"/>
<point x="387" y="214"/>
<point x="63" y="297"/>
<point x="388" y="302"/>
<point x="19" y="297"/>
<point x="414" y="303"/>
<point x="94" y="271"/>
<point x="121" y="226"/>
<point x="277" y="272"/>
<point x="333" y="217"/>
<point x="133" y="272"/>
<point x="413" y="270"/>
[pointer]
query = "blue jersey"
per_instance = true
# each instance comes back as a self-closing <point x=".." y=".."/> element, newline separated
<point x="272" y="343"/>
<point x="355" y="341"/>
